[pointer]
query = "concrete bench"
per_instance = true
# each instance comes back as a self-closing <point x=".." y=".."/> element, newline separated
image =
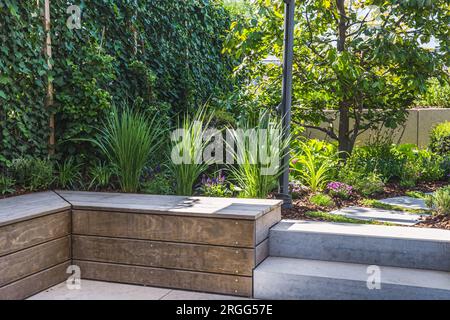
<point x="192" y="243"/>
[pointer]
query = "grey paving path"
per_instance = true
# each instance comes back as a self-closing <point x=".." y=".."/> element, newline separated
<point x="406" y="202"/>
<point x="391" y="216"/>
<point x="98" y="290"/>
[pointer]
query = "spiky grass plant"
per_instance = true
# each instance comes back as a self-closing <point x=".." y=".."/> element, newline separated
<point x="186" y="164"/>
<point x="128" y="139"/>
<point x="252" y="173"/>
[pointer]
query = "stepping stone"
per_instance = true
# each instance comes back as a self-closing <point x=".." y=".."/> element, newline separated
<point x="381" y="215"/>
<point x="407" y="202"/>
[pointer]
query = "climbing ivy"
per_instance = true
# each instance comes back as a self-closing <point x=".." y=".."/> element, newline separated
<point x="149" y="54"/>
<point x="23" y="70"/>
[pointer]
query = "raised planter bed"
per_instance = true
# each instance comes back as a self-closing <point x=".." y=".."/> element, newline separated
<point x="204" y="244"/>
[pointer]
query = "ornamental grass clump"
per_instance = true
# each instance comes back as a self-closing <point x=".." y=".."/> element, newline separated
<point x="187" y="165"/>
<point x="127" y="140"/>
<point x="439" y="201"/>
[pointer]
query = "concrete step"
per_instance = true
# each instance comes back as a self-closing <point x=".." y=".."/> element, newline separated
<point x="287" y="278"/>
<point x="418" y="248"/>
<point x="381" y="215"/>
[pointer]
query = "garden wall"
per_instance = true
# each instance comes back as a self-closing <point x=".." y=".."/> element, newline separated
<point x="416" y="128"/>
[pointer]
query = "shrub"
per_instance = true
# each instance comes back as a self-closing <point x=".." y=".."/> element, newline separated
<point x="410" y="174"/>
<point x="321" y="200"/>
<point x="158" y="184"/>
<point x="100" y="176"/>
<point x="440" y="139"/>
<point x="215" y="187"/>
<point x="68" y="174"/>
<point x="340" y="189"/>
<point x="6" y="185"/>
<point x="128" y="139"/>
<point x="33" y="174"/>
<point x="365" y="183"/>
<point x="381" y="157"/>
<point x="439" y="201"/>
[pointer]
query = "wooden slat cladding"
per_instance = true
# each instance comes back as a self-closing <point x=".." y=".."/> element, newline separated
<point x="169" y="278"/>
<point x="263" y="224"/>
<point x="32" y="260"/>
<point x="35" y="283"/>
<point x="226" y="232"/>
<point x="183" y="256"/>
<point x="21" y="235"/>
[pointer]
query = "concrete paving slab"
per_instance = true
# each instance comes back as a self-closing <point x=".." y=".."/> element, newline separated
<point x="407" y="202"/>
<point x="98" y="290"/>
<point x="391" y="216"/>
<point x="190" y="295"/>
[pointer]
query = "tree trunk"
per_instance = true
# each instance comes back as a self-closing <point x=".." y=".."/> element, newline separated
<point x="345" y="144"/>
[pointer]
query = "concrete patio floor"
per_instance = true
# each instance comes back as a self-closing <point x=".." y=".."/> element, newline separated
<point x="97" y="290"/>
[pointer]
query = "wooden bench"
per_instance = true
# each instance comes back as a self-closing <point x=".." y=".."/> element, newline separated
<point x="192" y="243"/>
<point x="34" y="243"/>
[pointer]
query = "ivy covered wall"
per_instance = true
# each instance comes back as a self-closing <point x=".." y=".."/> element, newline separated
<point x="161" y="56"/>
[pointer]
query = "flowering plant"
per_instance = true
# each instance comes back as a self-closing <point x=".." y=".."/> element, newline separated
<point x="215" y="187"/>
<point x="340" y="189"/>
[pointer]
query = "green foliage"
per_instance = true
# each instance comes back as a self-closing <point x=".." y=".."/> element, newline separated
<point x="386" y="206"/>
<point x="405" y="162"/>
<point x="159" y="183"/>
<point x="187" y="165"/>
<point x="439" y="201"/>
<point x="359" y="57"/>
<point x="416" y="194"/>
<point x="100" y="176"/>
<point x="69" y="174"/>
<point x="440" y="139"/>
<point x="6" y="185"/>
<point x="128" y="139"/>
<point x="215" y="187"/>
<point x="23" y="69"/>
<point x="152" y="53"/>
<point x="251" y="174"/>
<point x="325" y="216"/>
<point x="365" y="183"/>
<point x="314" y="164"/>
<point x="322" y="200"/>
<point x="436" y="95"/>
<point x="381" y="157"/>
<point x="33" y="174"/>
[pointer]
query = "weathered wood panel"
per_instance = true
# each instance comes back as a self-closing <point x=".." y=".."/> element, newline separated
<point x="28" y="261"/>
<point x="171" y="255"/>
<point x="30" y="206"/>
<point x="21" y="235"/>
<point x="169" y="278"/>
<point x="261" y="252"/>
<point x="227" y="208"/>
<point x="266" y="222"/>
<point x="35" y="283"/>
<point x="227" y="232"/>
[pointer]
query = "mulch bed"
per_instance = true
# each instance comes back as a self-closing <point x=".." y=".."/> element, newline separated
<point x="302" y="205"/>
<point x="441" y="222"/>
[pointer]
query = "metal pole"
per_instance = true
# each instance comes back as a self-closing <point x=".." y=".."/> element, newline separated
<point x="286" y="102"/>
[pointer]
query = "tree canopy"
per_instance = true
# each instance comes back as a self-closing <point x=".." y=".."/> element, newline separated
<point x="366" y="59"/>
